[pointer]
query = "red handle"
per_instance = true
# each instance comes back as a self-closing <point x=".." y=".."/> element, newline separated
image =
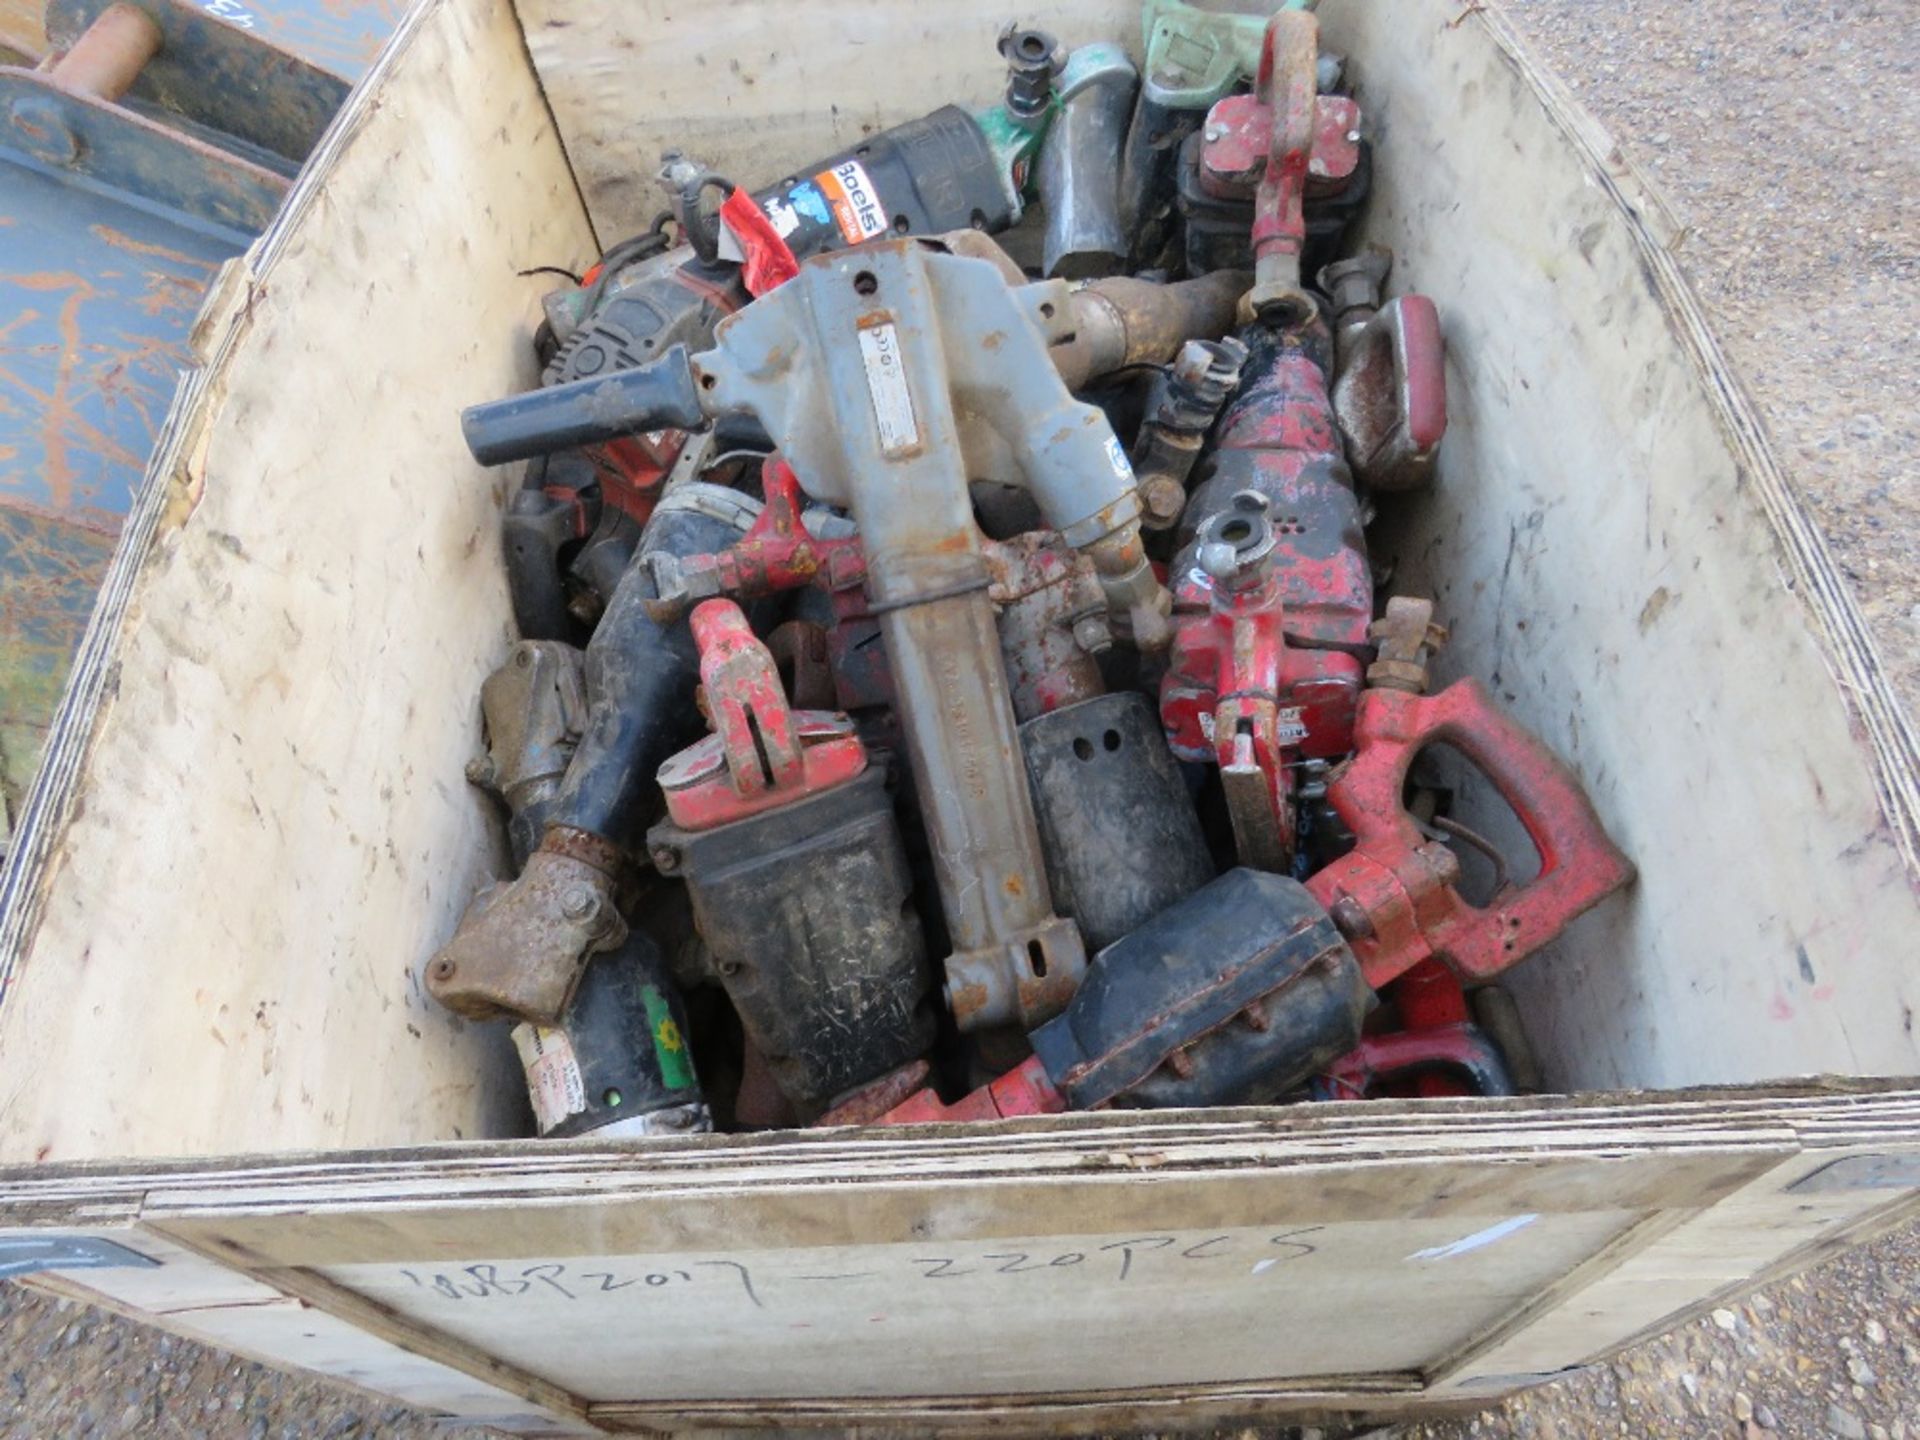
<point x="1394" y="892"/>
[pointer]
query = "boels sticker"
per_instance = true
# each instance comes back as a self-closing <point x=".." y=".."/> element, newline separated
<point x="856" y="204"/>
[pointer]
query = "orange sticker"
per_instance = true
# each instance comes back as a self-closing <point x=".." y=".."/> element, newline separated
<point x="856" y="204"/>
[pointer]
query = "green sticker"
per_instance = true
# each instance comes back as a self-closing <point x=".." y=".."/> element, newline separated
<point x="669" y="1045"/>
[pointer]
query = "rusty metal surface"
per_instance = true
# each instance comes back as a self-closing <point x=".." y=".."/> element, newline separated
<point x="104" y="144"/>
<point x="520" y="950"/>
<point x="1053" y="622"/>
<point x="111" y="230"/>
<point x="223" y="64"/>
<point x="106" y="59"/>
<point x="96" y="298"/>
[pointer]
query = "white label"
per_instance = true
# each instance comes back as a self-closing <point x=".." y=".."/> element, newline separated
<point x="887" y="384"/>
<point x="1288" y="728"/>
<point x="856" y="204"/>
<point x="783" y="217"/>
<point x="230" y="11"/>
<point x="1118" y="459"/>
<point x="1467" y="1244"/>
<point x="554" y="1082"/>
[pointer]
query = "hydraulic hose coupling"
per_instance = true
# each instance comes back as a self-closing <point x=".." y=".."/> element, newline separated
<point x="1190" y="399"/>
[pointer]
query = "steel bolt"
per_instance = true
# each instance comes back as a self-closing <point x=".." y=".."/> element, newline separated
<point x="48" y="135"/>
<point x="579" y="903"/>
<point x="1350" y="918"/>
<point x="1164" y="498"/>
<point x="1092" y="634"/>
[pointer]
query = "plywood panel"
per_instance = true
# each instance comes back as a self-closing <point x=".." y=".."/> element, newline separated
<point x="1024" y="1315"/>
<point x="268" y="827"/>
<point x="1018" y="1270"/>
<point x="211" y="1304"/>
<point x="1618" y="554"/>
<point x="751" y="89"/>
<point x="581" y="1273"/>
<point x="1721" y="1252"/>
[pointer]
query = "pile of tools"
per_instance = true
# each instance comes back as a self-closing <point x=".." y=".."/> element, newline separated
<point x="954" y="683"/>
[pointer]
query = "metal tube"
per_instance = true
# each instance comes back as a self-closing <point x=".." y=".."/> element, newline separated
<point x="1080" y="163"/>
<point x="106" y="60"/>
<point x="1121" y="321"/>
<point x="1014" y="961"/>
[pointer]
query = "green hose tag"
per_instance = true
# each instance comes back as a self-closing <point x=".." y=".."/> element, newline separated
<point x="669" y="1045"/>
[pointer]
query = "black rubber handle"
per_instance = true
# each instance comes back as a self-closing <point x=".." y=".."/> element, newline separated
<point x="660" y="395"/>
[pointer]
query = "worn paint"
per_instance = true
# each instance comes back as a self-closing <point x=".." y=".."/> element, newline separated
<point x="98" y="292"/>
<point x="98" y="297"/>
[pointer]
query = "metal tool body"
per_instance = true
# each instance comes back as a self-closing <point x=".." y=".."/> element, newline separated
<point x="879" y="372"/>
<point x="1194" y="58"/>
<point x="1236" y="995"/>
<point x="1395" y="895"/>
<point x="1273" y="592"/>
<point x="1080" y="164"/>
<point x="794" y="864"/>
<point x="1390" y="393"/>
<point x="1434" y="1050"/>
<point x="1274" y="148"/>
<point x="616" y="1063"/>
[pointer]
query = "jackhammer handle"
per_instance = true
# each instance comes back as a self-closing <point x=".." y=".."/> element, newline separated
<point x="1579" y="864"/>
<point x="660" y="395"/>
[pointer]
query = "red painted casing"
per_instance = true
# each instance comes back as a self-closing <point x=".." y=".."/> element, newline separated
<point x="1283" y="141"/>
<point x="1286" y="655"/>
<point x="762" y="754"/>
<point x="1393" y="895"/>
<point x="1023" y="1090"/>
<point x="777" y="554"/>
<point x="1413" y="1064"/>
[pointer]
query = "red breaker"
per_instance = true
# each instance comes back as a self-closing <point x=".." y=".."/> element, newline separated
<point x="1393" y="895"/>
<point x="1276" y="146"/>
<point x="1253" y="683"/>
<point x="761" y="754"/>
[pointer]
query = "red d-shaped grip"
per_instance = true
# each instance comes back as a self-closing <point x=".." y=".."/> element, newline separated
<point x="1393" y="895"/>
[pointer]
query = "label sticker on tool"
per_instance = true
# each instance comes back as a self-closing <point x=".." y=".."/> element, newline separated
<point x="1288" y="727"/>
<point x="856" y="204"/>
<point x="554" y="1082"/>
<point x="669" y="1045"/>
<point x="1117" y="458"/>
<point x="887" y="384"/>
<point x="809" y="203"/>
<point x="782" y="216"/>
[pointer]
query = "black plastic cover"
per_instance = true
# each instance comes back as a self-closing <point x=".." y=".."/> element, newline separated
<point x="1121" y="836"/>
<point x="1219" y="233"/>
<point x="808" y="913"/>
<point x="1247" y="978"/>
<point x="627" y="1029"/>
<point x="922" y="177"/>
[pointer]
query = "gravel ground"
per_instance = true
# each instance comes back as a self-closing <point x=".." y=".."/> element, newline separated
<point x="1784" y="133"/>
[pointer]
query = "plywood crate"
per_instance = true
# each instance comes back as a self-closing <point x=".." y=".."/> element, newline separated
<point x="253" y="828"/>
